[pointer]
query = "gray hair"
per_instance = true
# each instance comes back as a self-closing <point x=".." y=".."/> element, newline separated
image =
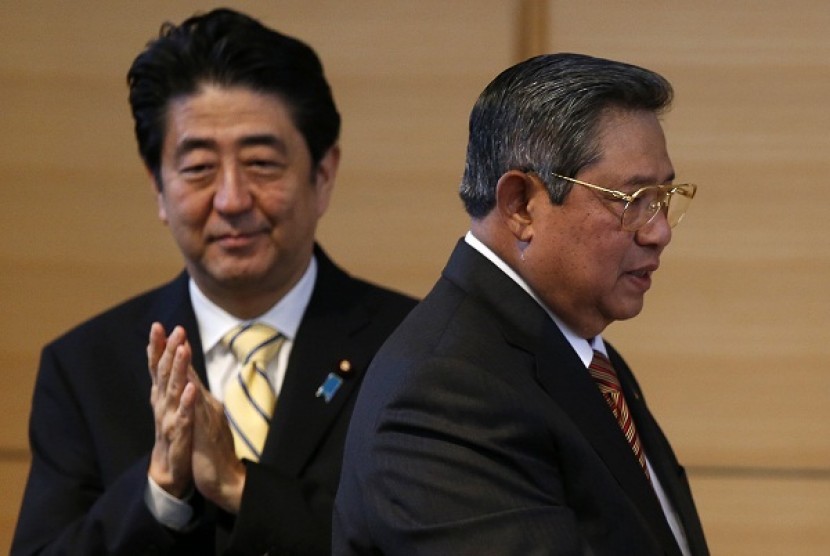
<point x="542" y="115"/>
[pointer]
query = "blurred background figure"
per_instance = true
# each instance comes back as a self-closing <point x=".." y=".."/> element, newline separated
<point x="238" y="130"/>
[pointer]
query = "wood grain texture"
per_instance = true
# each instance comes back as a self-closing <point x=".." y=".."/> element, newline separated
<point x="764" y="517"/>
<point x="731" y="349"/>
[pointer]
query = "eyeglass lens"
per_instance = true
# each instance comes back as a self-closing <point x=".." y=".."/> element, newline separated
<point x="648" y="201"/>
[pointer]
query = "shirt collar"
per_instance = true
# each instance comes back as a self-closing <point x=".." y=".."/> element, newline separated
<point x="584" y="349"/>
<point x="214" y="322"/>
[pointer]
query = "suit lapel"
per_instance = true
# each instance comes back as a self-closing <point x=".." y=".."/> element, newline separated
<point x="564" y="377"/>
<point x="662" y="457"/>
<point x="322" y="347"/>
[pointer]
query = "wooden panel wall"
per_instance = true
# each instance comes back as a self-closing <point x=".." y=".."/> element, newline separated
<point x="731" y="348"/>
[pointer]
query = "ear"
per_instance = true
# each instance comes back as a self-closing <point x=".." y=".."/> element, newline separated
<point x="324" y="177"/>
<point x="514" y="192"/>
<point x="157" y="190"/>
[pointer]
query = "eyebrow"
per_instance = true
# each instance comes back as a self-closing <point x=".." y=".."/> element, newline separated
<point x="265" y="139"/>
<point x="192" y="144"/>
<point x="637" y="181"/>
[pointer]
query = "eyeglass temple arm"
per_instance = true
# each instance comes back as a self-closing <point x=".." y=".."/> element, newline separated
<point x="613" y="192"/>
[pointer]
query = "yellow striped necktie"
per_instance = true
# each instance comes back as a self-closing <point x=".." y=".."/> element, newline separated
<point x="250" y="397"/>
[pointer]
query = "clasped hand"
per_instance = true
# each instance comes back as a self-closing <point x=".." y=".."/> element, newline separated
<point x="193" y="444"/>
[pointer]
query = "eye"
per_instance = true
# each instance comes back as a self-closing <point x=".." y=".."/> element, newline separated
<point x="264" y="166"/>
<point x="197" y="172"/>
<point x="650" y="198"/>
<point x="197" y="164"/>
<point x="194" y="169"/>
<point x="262" y="163"/>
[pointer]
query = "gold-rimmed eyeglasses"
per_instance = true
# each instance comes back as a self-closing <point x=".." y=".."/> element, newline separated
<point x="643" y="205"/>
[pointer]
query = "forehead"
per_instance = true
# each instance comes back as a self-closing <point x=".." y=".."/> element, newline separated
<point x="632" y="149"/>
<point x="227" y="114"/>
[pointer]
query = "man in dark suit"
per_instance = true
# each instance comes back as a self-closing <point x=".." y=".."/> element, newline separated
<point x="238" y="130"/>
<point x="491" y="421"/>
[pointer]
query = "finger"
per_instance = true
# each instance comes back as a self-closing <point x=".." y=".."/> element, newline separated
<point x="190" y="394"/>
<point x="178" y="372"/>
<point x="154" y="395"/>
<point x="165" y="362"/>
<point x="187" y="407"/>
<point x="193" y="376"/>
<point x="155" y="349"/>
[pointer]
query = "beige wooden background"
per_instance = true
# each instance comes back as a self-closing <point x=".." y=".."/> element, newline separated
<point x="732" y="349"/>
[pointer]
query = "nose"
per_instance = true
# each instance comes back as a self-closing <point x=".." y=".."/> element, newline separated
<point x="656" y="233"/>
<point x="232" y="193"/>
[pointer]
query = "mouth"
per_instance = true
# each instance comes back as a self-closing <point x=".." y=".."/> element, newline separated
<point x="642" y="276"/>
<point x="640" y="273"/>
<point x="237" y="239"/>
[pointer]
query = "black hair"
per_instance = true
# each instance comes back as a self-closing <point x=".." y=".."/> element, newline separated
<point x="228" y="48"/>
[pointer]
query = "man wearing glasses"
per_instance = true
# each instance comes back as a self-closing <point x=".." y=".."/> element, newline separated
<point x="496" y="420"/>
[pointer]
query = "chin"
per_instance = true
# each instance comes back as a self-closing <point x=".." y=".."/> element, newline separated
<point x="236" y="277"/>
<point x="627" y="311"/>
<point x="630" y="314"/>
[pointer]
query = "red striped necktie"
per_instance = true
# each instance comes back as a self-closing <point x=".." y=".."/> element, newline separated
<point x="609" y="385"/>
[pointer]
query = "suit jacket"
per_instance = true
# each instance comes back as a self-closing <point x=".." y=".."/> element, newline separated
<point x="92" y="429"/>
<point x="479" y="431"/>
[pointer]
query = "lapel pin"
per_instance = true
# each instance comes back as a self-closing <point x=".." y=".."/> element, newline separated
<point x="333" y="381"/>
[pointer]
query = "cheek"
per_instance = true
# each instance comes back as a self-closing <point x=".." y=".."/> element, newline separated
<point x="602" y="261"/>
<point x="613" y="264"/>
<point x="188" y="208"/>
<point x="299" y="207"/>
<point x="279" y="197"/>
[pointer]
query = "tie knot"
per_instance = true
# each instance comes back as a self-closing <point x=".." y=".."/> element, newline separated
<point x="253" y="343"/>
<point x="604" y="374"/>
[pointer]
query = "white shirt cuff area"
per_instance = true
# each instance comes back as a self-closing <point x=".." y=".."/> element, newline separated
<point x="167" y="509"/>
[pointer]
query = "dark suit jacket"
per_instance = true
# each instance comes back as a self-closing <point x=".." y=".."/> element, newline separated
<point x="479" y="431"/>
<point x="91" y="430"/>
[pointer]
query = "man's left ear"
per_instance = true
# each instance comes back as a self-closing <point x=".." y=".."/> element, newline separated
<point x="324" y="177"/>
<point x="514" y="191"/>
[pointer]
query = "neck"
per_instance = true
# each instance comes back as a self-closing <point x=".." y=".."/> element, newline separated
<point x="244" y="300"/>
<point x="246" y="306"/>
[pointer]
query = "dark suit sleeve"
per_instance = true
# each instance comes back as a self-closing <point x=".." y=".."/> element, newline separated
<point x="454" y="464"/>
<point x="276" y="517"/>
<point x="66" y="507"/>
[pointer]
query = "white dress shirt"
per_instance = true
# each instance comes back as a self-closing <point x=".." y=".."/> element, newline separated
<point x="585" y="350"/>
